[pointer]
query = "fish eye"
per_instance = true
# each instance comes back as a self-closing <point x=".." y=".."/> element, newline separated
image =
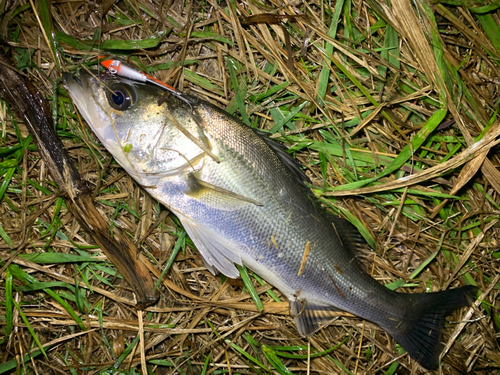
<point x="121" y="96"/>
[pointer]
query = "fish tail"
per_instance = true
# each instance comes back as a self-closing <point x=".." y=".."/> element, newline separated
<point x="420" y="332"/>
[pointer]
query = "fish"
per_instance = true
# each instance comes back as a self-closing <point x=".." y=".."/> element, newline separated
<point x="243" y="200"/>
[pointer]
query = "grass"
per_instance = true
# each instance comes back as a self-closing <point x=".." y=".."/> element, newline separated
<point x="392" y="108"/>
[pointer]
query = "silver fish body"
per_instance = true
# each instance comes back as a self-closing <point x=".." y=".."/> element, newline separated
<point x="238" y="196"/>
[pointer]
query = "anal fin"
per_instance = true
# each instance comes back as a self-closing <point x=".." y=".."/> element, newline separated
<point x="311" y="318"/>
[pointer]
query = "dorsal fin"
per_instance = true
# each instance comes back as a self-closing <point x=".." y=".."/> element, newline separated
<point x="293" y="165"/>
<point x="348" y="233"/>
<point x="353" y="241"/>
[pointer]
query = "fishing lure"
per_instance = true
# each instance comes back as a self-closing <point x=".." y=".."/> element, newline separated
<point x="124" y="70"/>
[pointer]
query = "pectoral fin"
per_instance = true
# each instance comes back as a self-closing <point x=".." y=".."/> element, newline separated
<point x="217" y="253"/>
<point x="214" y="195"/>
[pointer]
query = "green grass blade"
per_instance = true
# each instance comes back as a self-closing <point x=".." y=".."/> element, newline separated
<point x="44" y="7"/>
<point x="181" y="243"/>
<point x="18" y="273"/>
<point x="201" y="81"/>
<point x="332" y="33"/>
<point x="239" y="95"/>
<point x="243" y="352"/>
<point x="282" y="120"/>
<point x="30" y="329"/>
<point x="126" y="352"/>
<point x="209" y="35"/>
<point x="269" y="292"/>
<point x="67" y="307"/>
<point x="56" y="258"/>
<point x="279" y="350"/>
<point x="245" y="277"/>
<point x="6" y="181"/>
<point x="44" y="285"/>
<point x="167" y="65"/>
<point x="423" y="265"/>
<point x="205" y="365"/>
<point x="273" y="359"/>
<point x="340" y="365"/>
<point x="131" y="45"/>
<point x="491" y="29"/>
<point x="10" y="365"/>
<point x="9" y="305"/>
<point x="400" y="283"/>
<point x="72" y="42"/>
<point x="406" y="153"/>
<point x="104" y="338"/>
<point x="5" y="236"/>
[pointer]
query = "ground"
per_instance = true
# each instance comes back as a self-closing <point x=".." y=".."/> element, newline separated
<point x="391" y="108"/>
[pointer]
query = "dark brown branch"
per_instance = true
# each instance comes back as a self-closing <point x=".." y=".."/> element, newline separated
<point x="25" y="100"/>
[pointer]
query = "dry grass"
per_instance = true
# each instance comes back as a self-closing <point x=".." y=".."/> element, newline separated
<point x="392" y="110"/>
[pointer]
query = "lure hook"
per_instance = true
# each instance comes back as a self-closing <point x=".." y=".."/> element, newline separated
<point x="121" y="69"/>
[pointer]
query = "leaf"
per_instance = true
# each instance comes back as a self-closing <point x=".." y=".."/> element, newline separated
<point x="491" y="29"/>
<point x="400" y="283"/>
<point x="278" y="123"/>
<point x="6" y="181"/>
<point x="126" y="352"/>
<point x="239" y="95"/>
<point x="468" y="171"/>
<point x="136" y="44"/>
<point x="10" y="365"/>
<point x="44" y="7"/>
<point x="271" y="356"/>
<point x="169" y="64"/>
<point x="250" y="287"/>
<point x="201" y="81"/>
<point x="405" y="154"/>
<point x="9" y="306"/>
<point x="73" y="42"/>
<point x="423" y="265"/>
<point x="246" y="355"/>
<point x="18" y="273"/>
<point x="181" y="243"/>
<point x="209" y="35"/>
<point x="274" y="89"/>
<point x="54" y="258"/>
<point x="44" y="285"/>
<point x="30" y="328"/>
<point x="5" y="236"/>
<point x="325" y="70"/>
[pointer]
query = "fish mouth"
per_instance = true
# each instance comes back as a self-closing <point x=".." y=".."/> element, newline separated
<point x="78" y="90"/>
<point x="68" y="77"/>
<point x="88" y="95"/>
<point x="74" y="80"/>
<point x="78" y="84"/>
<point x="84" y="90"/>
<point x="71" y="82"/>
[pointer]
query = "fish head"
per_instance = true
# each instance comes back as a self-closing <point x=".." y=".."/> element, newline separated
<point x="145" y="135"/>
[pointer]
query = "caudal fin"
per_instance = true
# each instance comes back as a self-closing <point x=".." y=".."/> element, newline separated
<point x="420" y="334"/>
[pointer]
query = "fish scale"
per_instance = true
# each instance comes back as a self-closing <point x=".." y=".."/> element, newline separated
<point x="247" y="204"/>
